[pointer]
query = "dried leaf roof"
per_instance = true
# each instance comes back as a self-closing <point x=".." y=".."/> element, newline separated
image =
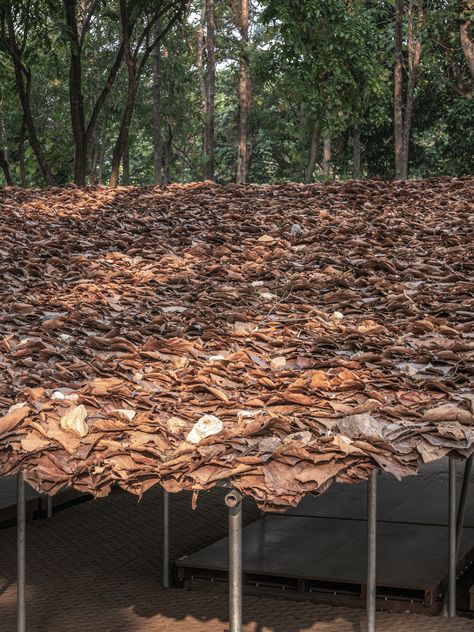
<point x="278" y="337"/>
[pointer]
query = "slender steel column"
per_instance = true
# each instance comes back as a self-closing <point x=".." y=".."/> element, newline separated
<point x="452" y="539"/>
<point x="463" y="501"/>
<point x="49" y="506"/>
<point x="466" y="481"/>
<point x="166" y="539"/>
<point x="233" y="500"/>
<point x="21" y="554"/>
<point x="371" y="550"/>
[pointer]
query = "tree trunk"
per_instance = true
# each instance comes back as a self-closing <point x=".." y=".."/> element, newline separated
<point x="76" y="99"/>
<point x="135" y="70"/>
<point x="132" y="89"/>
<point x="126" y="164"/>
<point x="210" y="93"/>
<point x="244" y="94"/>
<point x="327" y="157"/>
<point x="4" y="162"/>
<point x="93" y="164"/>
<point x="21" y="154"/>
<point x="157" y="141"/>
<point x="313" y="153"/>
<point x="122" y="139"/>
<point x="465" y="33"/>
<point x="23" y="87"/>
<point x="201" y="46"/>
<point x="4" y="166"/>
<point x="100" y="175"/>
<point x="414" y="56"/>
<point x="398" y="90"/>
<point x="356" y="157"/>
<point x="168" y="155"/>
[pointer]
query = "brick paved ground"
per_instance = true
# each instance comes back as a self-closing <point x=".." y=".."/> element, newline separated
<point x="96" y="568"/>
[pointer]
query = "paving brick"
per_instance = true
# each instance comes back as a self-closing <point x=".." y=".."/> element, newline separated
<point x="96" y="567"/>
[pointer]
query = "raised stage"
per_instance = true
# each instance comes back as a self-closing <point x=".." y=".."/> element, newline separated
<point x="319" y="548"/>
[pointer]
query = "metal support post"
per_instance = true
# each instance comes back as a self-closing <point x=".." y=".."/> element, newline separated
<point x="463" y="501"/>
<point x="452" y="539"/>
<point x="21" y="554"/>
<point x="49" y="506"/>
<point x="166" y="539"/>
<point x="371" y="550"/>
<point x="233" y="500"/>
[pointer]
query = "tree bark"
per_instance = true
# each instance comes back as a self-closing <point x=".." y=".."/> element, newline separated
<point x="313" y="152"/>
<point x="76" y="98"/>
<point x="132" y="89"/>
<point x="201" y="46"/>
<point x="135" y="68"/>
<point x="465" y="33"/>
<point x="414" y="56"/>
<point x="157" y="140"/>
<point x="21" y="153"/>
<point x="4" y="161"/>
<point x="5" y="167"/>
<point x="356" y="154"/>
<point x="23" y="86"/>
<point x="398" y="90"/>
<point x="244" y="94"/>
<point x="168" y="153"/>
<point x="209" y="169"/>
<point x="126" y="164"/>
<point x="327" y="157"/>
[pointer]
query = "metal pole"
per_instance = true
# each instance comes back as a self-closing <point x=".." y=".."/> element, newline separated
<point x="452" y="539"/>
<point x="49" y="506"/>
<point x="371" y="550"/>
<point x="21" y="554"/>
<point x="166" y="540"/>
<point x="233" y="500"/>
<point x="460" y="518"/>
<point x="463" y="501"/>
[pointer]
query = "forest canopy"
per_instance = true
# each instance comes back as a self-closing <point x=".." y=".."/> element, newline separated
<point x="158" y="91"/>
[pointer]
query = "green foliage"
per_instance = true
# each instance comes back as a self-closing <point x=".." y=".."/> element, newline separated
<point x="326" y="61"/>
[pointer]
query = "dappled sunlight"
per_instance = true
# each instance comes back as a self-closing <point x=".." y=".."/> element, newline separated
<point x="326" y="329"/>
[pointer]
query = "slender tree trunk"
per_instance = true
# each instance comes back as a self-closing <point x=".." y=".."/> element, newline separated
<point x="300" y="161"/>
<point x="201" y="47"/>
<point x="126" y="163"/>
<point x="244" y="94"/>
<point x="135" y="69"/>
<point x="157" y="140"/>
<point x="24" y="94"/>
<point x="168" y="153"/>
<point x="327" y="157"/>
<point x="356" y="157"/>
<point x="23" y="88"/>
<point x="76" y="99"/>
<point x="313" y="152"/>
<point x="132" y="89"/>
<point x="6" y="171"/>
<point x="398" y="90"/>
<point x="93" y="164"/>
<point x="21" y="153"/>
<point x="210" y="93"/>
<point x="414" y="56"/>
<point x="100" y="175"/>
<point x="4" y="160"/>
<point x="122" y="138"/>
<point x="465" y="32"/>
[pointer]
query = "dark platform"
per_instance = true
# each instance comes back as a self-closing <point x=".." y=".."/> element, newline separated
<point x="35" y="503"/>
<point x="321" y="545"/>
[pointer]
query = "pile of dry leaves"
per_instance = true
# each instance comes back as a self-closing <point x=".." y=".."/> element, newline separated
<point x="280" y="337"/>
